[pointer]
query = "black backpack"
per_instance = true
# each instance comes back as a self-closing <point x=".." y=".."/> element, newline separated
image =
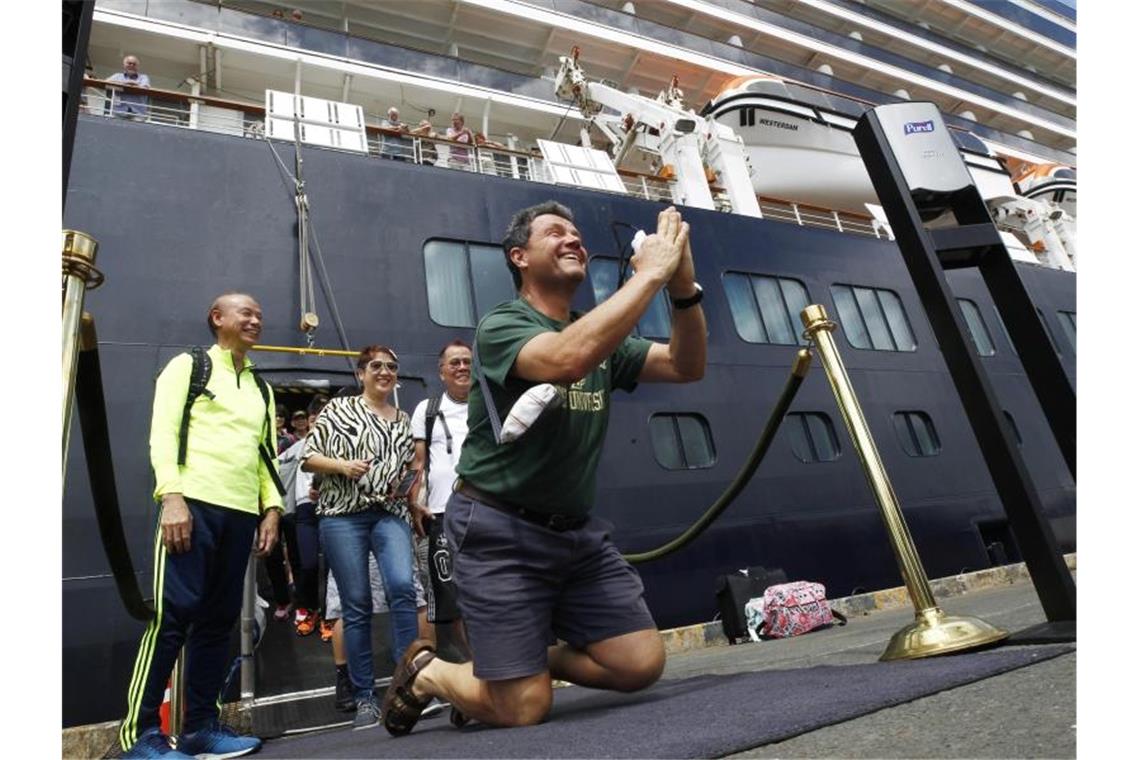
<point x="200" y="370"/>
<point x="430" y="414"/>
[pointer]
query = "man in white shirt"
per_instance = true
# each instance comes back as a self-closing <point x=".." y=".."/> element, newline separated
<point x="131" y="105"/>
<point x="439" y="438"/>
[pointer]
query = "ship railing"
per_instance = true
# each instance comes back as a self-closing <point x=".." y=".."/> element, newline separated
<point x="243" y="119"/>
<point x="648" y="186"/>
<point x="807" y="215"/>
<point x="173" y="108"/>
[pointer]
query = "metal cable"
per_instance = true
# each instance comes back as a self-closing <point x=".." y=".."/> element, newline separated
<point x="308" y="230"/>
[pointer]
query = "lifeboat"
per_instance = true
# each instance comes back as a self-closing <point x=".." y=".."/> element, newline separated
<point x="801" y="148"/>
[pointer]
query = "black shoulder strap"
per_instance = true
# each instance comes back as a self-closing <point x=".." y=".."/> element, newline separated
<point x="200" y="368"/>
<point x="266" y="444"/>
<point x="429" y="423"/>
<point x="488" y="400"/>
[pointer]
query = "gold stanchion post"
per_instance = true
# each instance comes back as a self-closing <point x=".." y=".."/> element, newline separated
<point x="933" y="631"/>
<point x="79" y="274"/>
<point x="178" y="694"/>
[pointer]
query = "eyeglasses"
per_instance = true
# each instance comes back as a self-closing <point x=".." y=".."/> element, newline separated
<point x="459" y="363"/>
<point x="376" y="365"/>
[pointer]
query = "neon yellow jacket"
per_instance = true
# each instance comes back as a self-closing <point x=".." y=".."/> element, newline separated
<point x="222" y="464"/>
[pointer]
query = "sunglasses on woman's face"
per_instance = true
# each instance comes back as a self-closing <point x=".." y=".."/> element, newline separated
<point x="377" y="365"/>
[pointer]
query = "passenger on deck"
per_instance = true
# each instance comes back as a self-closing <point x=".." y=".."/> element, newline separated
<point x="363" y="446"/>
<point x="130" y="105"/>
<point x="428" y="153"/>
<point x="216" y="503"/>
<point x="489" y="162"/>
<point x="530" y="561"/>
<point x="460" y="157"/>
<point x="392" y="146"/>
<point x="439" y="439"/>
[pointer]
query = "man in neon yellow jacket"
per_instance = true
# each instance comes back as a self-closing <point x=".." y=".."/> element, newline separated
<point x="215" y="502"/>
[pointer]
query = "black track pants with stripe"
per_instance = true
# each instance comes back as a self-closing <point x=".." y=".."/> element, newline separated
<point x="197" y="592"/>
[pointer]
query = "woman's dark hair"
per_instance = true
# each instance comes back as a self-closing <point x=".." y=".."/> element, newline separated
<point x="518" y="231"/>
<point x="368" y="352"/>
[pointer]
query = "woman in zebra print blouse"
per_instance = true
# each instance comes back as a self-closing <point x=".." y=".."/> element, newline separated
<point x="363" y="445"/>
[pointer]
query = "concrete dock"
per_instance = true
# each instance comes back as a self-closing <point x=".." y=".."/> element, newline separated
<point x="1030" y="712"/>
<point x="1026" y="713"/>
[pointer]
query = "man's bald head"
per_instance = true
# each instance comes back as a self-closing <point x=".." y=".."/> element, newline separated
<point x="231" y="299"/>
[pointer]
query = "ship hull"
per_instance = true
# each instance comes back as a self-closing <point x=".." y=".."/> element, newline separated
<point x="182" y="216"/>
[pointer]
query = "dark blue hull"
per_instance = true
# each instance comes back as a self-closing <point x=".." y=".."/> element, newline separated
<point x="181" y="216"/>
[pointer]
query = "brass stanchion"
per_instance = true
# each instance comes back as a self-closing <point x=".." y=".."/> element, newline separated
<point x="248" y="622"/>
<point x="933" y="631"/>
<point x="79" y="274"/>
<point x="178" y="694"/>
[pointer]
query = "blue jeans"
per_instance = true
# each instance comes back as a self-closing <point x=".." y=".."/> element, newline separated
<point x="347" y="539"/>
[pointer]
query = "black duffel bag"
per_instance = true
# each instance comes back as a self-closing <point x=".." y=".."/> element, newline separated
<point x="733" y="592"/>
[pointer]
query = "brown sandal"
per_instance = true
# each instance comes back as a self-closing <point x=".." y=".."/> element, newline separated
<point x="401" y="708"/>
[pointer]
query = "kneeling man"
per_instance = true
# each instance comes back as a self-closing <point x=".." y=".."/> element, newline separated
<point x="531" y="563"/>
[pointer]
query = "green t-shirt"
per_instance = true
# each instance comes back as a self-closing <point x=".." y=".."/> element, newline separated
<point x="552" y="467"/>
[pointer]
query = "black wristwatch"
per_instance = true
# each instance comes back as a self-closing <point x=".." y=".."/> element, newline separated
<point x="693" y="300"/>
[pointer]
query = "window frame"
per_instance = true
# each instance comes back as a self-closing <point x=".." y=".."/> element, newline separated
<point x="982" y="321"/>
<point x="802" y="420"/>
<point x="878" y="294"/>
<point x="798" y="339"/>
<point x="907" y="416"/>
<point x="472" y="294"/>
<point x="679" y="440"/>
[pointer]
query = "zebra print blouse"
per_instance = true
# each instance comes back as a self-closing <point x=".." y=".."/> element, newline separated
<point x="348" y="429"/>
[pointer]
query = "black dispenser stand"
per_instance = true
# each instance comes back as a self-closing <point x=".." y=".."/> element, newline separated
<point x="975" y="242"/>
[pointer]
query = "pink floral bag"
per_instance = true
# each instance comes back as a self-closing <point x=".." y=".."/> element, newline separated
<point x="789" y="609"/>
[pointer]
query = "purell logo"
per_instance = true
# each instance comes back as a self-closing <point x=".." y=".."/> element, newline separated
<point x="913" y="127"/>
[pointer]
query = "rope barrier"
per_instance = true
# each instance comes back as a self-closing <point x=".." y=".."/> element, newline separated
<point x="795" y="379"/>
<point x="92" y="409"/>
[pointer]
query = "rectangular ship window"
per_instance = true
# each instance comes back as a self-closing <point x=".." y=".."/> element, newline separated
<point x="766" y="309"/>
<point x="916" y="434"/>
<point x="682" y="441"/>
<point x="812" y="437"/>
<point x="464" y="281"/>
<point x="872" y="318"/>
<point x="977" y="326"/>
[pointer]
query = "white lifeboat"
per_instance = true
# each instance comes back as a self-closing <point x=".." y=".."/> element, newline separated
<point x="801" y="148"/>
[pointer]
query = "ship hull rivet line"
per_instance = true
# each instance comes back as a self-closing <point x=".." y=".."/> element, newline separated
<point x="933" y="632"/>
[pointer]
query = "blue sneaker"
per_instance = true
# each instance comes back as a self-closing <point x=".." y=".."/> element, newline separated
<point x="153" y="743"/>
<point x="216" y="742"/>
